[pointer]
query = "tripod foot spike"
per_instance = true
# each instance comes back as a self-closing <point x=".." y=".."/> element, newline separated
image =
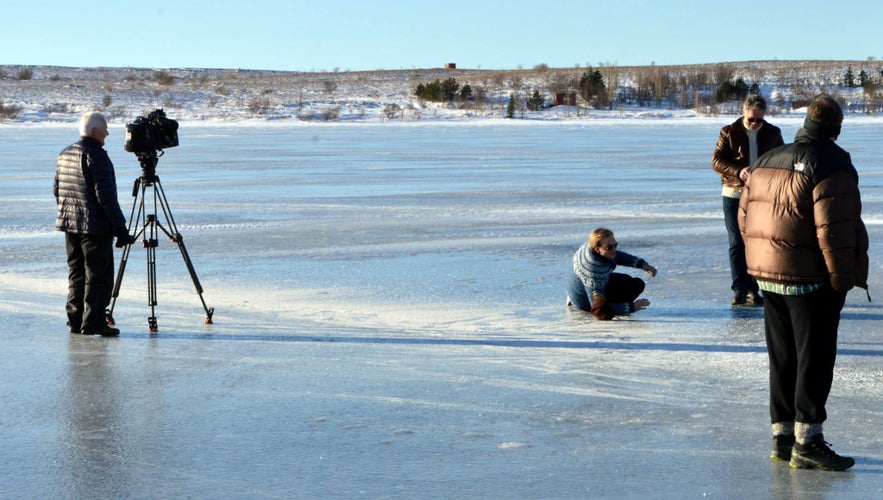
<point x="151" y="324"/>
<point x="208" y="318"/>
<point x="109" y="317"/>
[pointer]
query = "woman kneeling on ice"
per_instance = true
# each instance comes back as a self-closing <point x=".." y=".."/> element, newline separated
<point x="593" y="286"/>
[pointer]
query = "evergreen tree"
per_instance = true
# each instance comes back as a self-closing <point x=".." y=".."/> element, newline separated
<point x="849" y="78"/>
<point x="439" y="91"/>
<point x="430" y="91"/>
<point x="466" y="93"/>
<point x="592" y="88"/>
<point x="536" y="101"/>
<point x="723" y="92"/>
<point x="740" y="88"/>
<point x="510" y="109"/>
<point x="449" y="89"/>
<point x="728" y="91"/>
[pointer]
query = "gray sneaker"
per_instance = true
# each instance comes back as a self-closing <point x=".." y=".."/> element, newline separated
<point x="817" y="454"/>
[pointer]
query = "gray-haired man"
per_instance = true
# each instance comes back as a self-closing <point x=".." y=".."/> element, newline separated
<point x="89" y="214"/>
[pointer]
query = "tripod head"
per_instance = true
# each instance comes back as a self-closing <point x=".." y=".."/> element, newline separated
<point x="148" y="161"/>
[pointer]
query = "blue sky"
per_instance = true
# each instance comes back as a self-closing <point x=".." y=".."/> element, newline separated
<point x="326" y="35"/>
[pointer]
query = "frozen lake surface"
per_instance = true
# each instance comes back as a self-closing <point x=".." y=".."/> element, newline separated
<point x="390" y="322"/>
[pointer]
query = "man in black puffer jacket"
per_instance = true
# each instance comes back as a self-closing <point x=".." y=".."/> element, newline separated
<point x="90" y="216"/>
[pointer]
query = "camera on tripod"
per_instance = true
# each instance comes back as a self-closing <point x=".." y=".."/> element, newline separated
<point x="145" y="136"/>
<point x="151" y="133"/>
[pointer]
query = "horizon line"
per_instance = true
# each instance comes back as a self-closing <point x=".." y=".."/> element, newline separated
<point x="537" y="67"/>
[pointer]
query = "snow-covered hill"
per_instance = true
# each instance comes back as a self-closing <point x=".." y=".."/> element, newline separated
<point x="61" y="94"/>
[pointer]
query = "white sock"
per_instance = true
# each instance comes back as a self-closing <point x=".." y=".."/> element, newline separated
<point x="783" y="428"/>
<point x="804" y="432"/>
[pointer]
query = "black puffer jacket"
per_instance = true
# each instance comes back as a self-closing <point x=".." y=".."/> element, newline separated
<point x="86" y="191"/>
<point x="800" y="216"/>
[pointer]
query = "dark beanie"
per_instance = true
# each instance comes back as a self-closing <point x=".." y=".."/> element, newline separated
<point x="823" y="129"/>
<point x="824" y="116"/>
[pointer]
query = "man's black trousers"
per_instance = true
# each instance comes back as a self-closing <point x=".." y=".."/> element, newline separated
<point x="801" y="336"/>
<point x="90" y="280"/>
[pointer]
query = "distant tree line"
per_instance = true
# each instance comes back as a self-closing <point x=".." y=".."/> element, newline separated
<point x="444" y="91"/>
<point x="608" y="87"/>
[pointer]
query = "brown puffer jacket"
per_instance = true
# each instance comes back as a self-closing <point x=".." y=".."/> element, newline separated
<point x="800" y="216"/>
<point x="731" y="153"/>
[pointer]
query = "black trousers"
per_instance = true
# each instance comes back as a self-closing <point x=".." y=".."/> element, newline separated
<point x="623" y="288"/>
<point x="801" y="336"/>
<point x="90" y="279"/>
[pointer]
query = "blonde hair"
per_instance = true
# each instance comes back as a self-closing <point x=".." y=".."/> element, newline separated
<point x="91" y="120"/>
<point x="597" y="235"/>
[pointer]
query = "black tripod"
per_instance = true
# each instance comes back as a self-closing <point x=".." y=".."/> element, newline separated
<point x="148" y="227"/>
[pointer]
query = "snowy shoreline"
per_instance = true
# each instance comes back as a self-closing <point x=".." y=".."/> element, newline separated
<point x="51" y="94"/>
<point x="594" y="120"/>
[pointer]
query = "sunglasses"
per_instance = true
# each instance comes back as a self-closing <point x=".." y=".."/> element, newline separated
<point x="609" y="247"/>
<point x="754" y="120"/>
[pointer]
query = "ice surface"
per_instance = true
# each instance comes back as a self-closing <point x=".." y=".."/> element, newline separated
<point x="390" y="322"/>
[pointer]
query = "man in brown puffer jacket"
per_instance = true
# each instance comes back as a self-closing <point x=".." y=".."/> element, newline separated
<point x="806" y="244"/>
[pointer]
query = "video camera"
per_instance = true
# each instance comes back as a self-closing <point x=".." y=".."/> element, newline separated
<point x="151" y="133"/>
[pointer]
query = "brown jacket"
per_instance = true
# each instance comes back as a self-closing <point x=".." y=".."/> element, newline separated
<point x="800" y="216"/>
<point x="731" y="153"/>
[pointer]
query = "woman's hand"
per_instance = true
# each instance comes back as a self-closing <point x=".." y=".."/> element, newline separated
<point x="649" y="269"/>
<point x="641" y="304"/>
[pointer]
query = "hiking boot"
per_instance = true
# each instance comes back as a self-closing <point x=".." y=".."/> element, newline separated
<point x="753" y="299"/>
<point x="817" y="454"/>
<point x="104" y="331"/>
<point x="782" y="445"/>
<point x="739" y="298"/>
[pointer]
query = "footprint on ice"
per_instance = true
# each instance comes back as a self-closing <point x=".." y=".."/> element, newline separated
<point x="511" y="445"/>
<point x="474" y="435"/>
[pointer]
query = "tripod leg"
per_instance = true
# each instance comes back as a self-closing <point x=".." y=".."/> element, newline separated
<point x="117" y="284"/>
<point x="209" y="311"/>
<point x="133" y="221"/>
<point x="176" y="237"/>
<point x="150" y="243"/>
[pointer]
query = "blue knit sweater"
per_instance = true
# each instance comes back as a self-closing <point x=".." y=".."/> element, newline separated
<point x="594" y="270"/>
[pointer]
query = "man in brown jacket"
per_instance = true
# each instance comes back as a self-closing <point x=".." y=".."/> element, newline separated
<point x="806" y="244"/>
<point x="738" y="146"/>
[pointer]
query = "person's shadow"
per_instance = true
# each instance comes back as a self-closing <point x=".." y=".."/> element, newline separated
<point x="94" y="443"/>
